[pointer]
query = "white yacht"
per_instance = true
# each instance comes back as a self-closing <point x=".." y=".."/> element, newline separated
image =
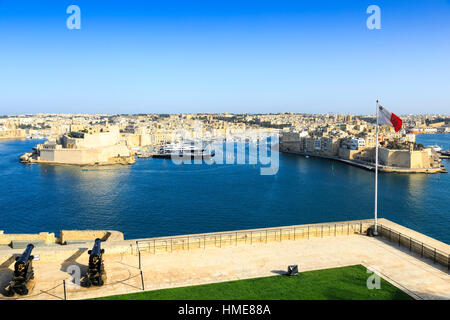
<point x="436" y="148"/>
<point x="183" y="149"/>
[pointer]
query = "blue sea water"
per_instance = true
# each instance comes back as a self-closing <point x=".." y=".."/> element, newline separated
<point x="156" y="197"/>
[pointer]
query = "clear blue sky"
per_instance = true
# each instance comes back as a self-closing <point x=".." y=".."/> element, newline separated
<point x="171" y="56"/>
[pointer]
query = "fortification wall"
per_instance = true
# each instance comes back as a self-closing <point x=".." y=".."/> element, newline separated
<point x="404" y="158"/>
<point x="46" y="237"/>
<point x="82" y="235"/>
<point x="102" y="139"/>
<point x="420" y="159"/>
<point x="66" y="235"/>
<point x="115" y="245"/>
<point x="83" y="156"/>
<point x="345" y="153"/>
<point x="394" y="158"/>
<point x="70" y="156"/>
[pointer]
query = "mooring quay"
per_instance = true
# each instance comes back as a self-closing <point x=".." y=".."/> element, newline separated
<point x="415" y="263"/>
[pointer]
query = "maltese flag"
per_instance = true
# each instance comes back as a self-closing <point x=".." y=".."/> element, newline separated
<point x="389" y="118"/>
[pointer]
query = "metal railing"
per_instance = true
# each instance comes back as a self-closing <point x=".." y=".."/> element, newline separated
<point x="218" y="240"/>
<point x="425" y="251"/>
<point x="249" y="237"/>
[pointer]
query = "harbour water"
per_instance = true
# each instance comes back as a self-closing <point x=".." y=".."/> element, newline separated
<point x="156" y="197"/>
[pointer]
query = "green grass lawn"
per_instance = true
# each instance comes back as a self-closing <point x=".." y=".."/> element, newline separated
<point x="330" y="284"/>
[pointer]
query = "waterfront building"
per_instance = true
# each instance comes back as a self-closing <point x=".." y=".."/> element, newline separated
<point x="82" y="148"/>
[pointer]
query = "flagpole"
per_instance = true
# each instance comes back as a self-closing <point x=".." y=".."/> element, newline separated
<point x="376" y="175"/>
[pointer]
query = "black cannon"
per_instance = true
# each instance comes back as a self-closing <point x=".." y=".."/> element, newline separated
<point x="96" y="269"/>
<point x="23" y="273"/>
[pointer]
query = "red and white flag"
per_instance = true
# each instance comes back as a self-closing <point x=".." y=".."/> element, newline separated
<point x="389" y="118"/>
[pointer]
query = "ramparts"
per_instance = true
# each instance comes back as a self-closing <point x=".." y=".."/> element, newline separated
<point x="67" y="236"/>
<point x="410" y="260"/>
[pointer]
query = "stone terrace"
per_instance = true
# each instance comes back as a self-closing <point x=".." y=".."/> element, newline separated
<point x="419" y="277"/>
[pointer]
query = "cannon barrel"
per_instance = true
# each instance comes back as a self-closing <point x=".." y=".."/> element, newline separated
<point x="95" y="271"/>
<point x="26" y="255"/>
<point x="96" y="250"/>
<point x="23" y="273"/>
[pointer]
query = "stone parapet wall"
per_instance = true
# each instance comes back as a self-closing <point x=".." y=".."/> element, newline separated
<point x="48" y="238"/>
<point x="81" y="235"/>
<point x="116" y="245"/>
<point x="66" y="235"/>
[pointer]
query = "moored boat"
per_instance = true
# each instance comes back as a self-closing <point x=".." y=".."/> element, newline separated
<point x="181" y="151"/>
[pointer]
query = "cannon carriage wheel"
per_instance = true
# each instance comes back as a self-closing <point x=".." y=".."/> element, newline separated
<point x="22" y="290"/>
<point x="87" y="283"/>
<point x="9" y="292"/>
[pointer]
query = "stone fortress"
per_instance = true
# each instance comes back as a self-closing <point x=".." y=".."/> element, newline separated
<point x="84" y="147"/>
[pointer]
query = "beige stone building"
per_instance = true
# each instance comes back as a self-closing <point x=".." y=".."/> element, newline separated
<point x="423" y="159"/>
<point x="83" y="149"/>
